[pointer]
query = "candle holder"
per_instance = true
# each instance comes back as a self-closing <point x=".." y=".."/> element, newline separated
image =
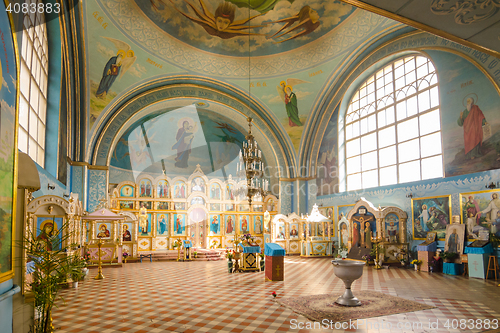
<point x="99" y="265"/>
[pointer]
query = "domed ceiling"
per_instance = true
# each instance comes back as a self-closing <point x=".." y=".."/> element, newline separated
<point x="239" y="28"/>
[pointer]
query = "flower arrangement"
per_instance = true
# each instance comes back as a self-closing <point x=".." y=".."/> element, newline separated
<point x="125" y="255"/>
<point x="86" y="257"/>
<point x="177" y="243"/>
<point x="229" y="254"/>
<point x="416" y="262"/>
<point x="367" y="257"/>
<point x="261" y="254"/>
<point x="274" y="294"/>
<point x="247" y="238"/>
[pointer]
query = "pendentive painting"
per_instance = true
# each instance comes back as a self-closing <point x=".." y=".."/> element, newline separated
<point x="480" y="211"/>
<point x="431" y="214"/>
<point x="8" y="151"/>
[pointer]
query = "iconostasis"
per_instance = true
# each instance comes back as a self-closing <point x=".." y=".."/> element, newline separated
<point x="206" y="211"/>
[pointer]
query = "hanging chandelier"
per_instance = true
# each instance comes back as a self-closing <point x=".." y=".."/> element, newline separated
<point x="251" y="169"/>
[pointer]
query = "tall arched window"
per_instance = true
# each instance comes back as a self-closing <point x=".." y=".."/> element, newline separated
<point x="393" y="126"/>
<point x="33" y="82"/>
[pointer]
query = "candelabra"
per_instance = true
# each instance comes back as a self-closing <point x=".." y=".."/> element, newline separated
<point x="251" y="168"/>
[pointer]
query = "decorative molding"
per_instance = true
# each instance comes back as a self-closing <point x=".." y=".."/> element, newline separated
<point x="466" y="12"/>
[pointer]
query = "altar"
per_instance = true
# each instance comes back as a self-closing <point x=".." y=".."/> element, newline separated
<point x="248" y="258"/>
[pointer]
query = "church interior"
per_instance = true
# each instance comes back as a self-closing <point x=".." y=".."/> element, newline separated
<point x="231" y="165"/>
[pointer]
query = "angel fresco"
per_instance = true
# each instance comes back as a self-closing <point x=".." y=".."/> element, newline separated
<point x="116" y="66"/>
<point x="308" y="21"/>
<point x="285" y="90"/>
<point x="220" y="24"/>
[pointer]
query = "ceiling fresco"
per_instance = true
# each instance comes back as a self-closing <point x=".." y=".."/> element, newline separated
<point x="240" y="28"/>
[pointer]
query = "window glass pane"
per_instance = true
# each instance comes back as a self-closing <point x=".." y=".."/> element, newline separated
<point x="23" y="140"/>
<point x="432" y="167"/>
<point x="424" y="102"/>
<point x="41" y="134"/>
<point x="25" y="80"/>
<point x="387" y="137"/>
<point x="422" y="71"/>
<point x="364" y="125"/>
<point x="355" y="129"/>
<point x="372" y="123"/>
<point x="408" y="130"/>
<point x="369" y="161"/>
<point x="409" y="172"/>
<point x="387" y="156"/>
<point x="353" y="148"/>
<point x="401" y="110"/>
<point x="430" y="122"/>
<point x="370" y="179"/>
<point x="33" y="126"/>
<point x="354" y="182"/>
<point x="348" y="132"/>
<point x="434" y="97"/>
<point x="353" y="165"/>
<point x="42" y="109"/>
<point x="411" y="77"/>
<point x="411" y="106"/>
<point x="41" y="152"/>
<point x="408" y="151"/>
<point x="430" y="144"/>
<point x="388" y="175"/>
<point x="23" y="113"/>
<point x="32" y="149"/>
<point x="369" y="142"/>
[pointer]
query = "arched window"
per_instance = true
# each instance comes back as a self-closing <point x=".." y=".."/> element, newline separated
<point x="33" y="83"/>
<point x="393" y="126"/>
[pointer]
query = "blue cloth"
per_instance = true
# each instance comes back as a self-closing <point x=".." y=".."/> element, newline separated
<point x="432" y="247"/>
<point x="273" y="250"/>
<point x="187" y="244"/>
<point x="452" y="268"/>
<point x="479" y="250"/>
<point x="250" y="249"/>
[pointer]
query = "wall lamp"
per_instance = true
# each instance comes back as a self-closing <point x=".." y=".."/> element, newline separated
<point x="51" y="187"/>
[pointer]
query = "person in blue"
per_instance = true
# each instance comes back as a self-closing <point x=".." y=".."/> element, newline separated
<point x="110" y="73"/>
<point x="163" y="225"/>
<point x="178" y="225"/>
<point x="214" y="226"/>
<point x="184" y="138"/>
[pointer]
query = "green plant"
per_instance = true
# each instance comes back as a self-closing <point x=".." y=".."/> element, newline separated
<point x="229" y="255"/>
<point x="51" y="265"/>
<point x="448" y="255"/>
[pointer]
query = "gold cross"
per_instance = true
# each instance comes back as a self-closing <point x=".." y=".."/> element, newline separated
<point x="278" y="269"/>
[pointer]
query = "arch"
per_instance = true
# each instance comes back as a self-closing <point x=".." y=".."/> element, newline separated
<point x="176" y="91"/>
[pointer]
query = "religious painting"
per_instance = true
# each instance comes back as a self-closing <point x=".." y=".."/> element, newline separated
<point x="329" y="212"/>
<point x="179" y="205"/>
<point x="431" y="214"/>
<point x="229" y="192"/>
<point x="127" y="232"/>
<point x="186" y="129"/>
<point x="343" y="211"/>
<point x="49" y="232"/>
<point x="145" y="188"/>
<point x="391" y="226"/>
<point x="180" y="190"/>
<point x="267" y="238"/>
<point x="215" y="191"/>
<point x="162" y="224"/>
<point x="230" y="224"/>
<point x="215" y="207"/>
<point x="162" y="189"/>
<point x="257" y="208"/>
<point x="126" y="204"/>
<point x="257" y="225"/>
<point x="146" y="204"/>
<point x="230" y="207"/>
<point x="162" y="205"/>
<point x="455" y="236"/>
<point x="279" y="230"/>
<point x="8" y="153"/>
<point x="244" y="224"/>
<point x="147" y="230"/>
<point x="294" y="230"/>
<point x="364" y="228"/>
<point x="271" y="206"/>
<point x="327" y="179"/>
<point x="320" y="229"/>
<point x="179" y="224"/>
<point x="214" y="225"/>
<point x="198" y="185"/>
<point x="103" y="230"/>
<point x="344" y="231"/>
<point x="322" y="211"/>
<point x="127" y="191"/>
<point x="480" y="212"/>
<point x="243" y="208"/>
<point x="197" y="201"/>
<point x="469" y="115"/>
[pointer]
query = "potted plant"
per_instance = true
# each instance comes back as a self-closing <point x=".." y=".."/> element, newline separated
<point x="230" y="257"/>
<point x="195" y="254"/>
<point x="367" y="258"/>
<point x="125" y="255"/>
<point x="262" y="262"/>
<point x="416" y="264"/>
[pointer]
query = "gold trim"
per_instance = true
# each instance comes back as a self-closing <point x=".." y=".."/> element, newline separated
<point x="76" y="67"/>
<point x="75" y="163"/>
<point x="421" y="26"/>
<point x="98" y="167"/>
<point x="10" y="273"/>
<point x="85" y="76"/>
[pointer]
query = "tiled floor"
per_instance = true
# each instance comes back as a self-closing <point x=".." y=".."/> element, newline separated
<point x="203" y="297"/>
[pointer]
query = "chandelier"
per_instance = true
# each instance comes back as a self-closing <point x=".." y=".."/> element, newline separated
<point x="251" y="169"/>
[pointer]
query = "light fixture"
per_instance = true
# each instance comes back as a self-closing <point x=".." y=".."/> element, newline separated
<point x="51" y="187"/>
<point x="251" y="168"/>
